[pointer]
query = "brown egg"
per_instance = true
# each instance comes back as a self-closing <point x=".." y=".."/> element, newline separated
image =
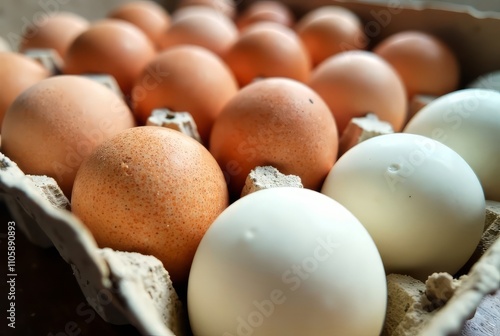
<point x="185" y="79"/>
<point x="201" y="26"/>
<point x="425" y="64"/>
<point x="151" y="190"/>
<point x="113" y="47"/>
<point x="57" y="32"/>
<point x="278" y="122"/>
<point x="17" y="73"/>
<point x="226" y="7"/>
<point x="273" y="11"/>
<point x="148" y="16"/>
<point x="268" y="50"/>
<point x="52" y="126"/>
<point x="328" y="30"/>
<point x="355" y="83"/>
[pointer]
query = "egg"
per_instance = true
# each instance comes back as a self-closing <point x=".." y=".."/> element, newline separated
<point x="113" y="47"/>
<point x="275" y="122"/>
<point x="287" y="261"/>
<point x="355" y="83"/>
<point x="52" y="126"/>
<point x="489" y="81"/>
<point x="56" y="32"/>
<point x="17" y="73"/>
<point x="269" y="11"/>
<point x="150" y="190"/>
<point x="185" y="79"/>
<point x="425" y="63"/>
<point x="148" y="16"/>
<point x="419" y="200"/>
<point x="202" y="26"/>
<point x="225" y="7"/>
<point x="268" y="50"/>
<point x="329" y="30"/>
<point x="467" y="121"/>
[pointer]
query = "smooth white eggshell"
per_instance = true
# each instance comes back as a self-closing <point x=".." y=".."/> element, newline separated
<point x="467" y="121"/>
<point x="420" y="201"/>
<point x="286" y="261"/>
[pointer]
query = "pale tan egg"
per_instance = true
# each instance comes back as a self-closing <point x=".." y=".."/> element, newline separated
<point x="151" y="190"/>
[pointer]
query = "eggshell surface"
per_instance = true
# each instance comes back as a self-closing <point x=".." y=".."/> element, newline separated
<point x="419" y="200"/>
<point x="56" y="32"/>
<point x="467" y="121"/>
<point x="52" y="126"/>
<point x="355" y="83"/>
<point x="113" y="47"/>
<point x="286" y="261"/>
<point x="17" y="73"/>
<point x="278" y="122"/>
<point x="425" y="63"/>
<point x="185" y="79"/>
<point x="151" y="190"/>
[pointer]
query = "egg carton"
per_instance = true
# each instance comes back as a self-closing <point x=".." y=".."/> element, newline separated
<point x="139" y="289"/>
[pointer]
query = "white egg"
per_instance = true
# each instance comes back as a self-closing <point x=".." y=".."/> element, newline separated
<point x="419" y="200"/>
<point x="467" y="121"/>
<point x="286" y="261"/>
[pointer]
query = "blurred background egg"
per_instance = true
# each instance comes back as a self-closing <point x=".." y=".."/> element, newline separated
<point x="4" y="45"/>
<point x="56" y="32"/>
<point x="278" y="122"/>
<point x="202" y="26"/>
<point x="355" y="83"/>
<point x="148" y="16"/>
<point x="17" y="73"/>
<point x="225" y="7"/>
<point x="55" y="124"/>
<point x="270" y="11"/>
<point x="268" y="49"/>
<point x="425" y="64"/>
<point x="150" y="190"/>
<point x="113" y="47"/>
<point x="328" y="30"/>
<point x="185" y="79"/>
<point x="287" y="261"/>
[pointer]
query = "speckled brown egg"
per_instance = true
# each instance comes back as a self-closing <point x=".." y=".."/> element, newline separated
<point x="278" y="122"/>
<point x="57" y="32"/>
<point x="113" y="47"/>
<point x="151" y="190"/>
<point x="52" y="126"/>
<point x="17" y="73"/>
<point x="149" y="16"/>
